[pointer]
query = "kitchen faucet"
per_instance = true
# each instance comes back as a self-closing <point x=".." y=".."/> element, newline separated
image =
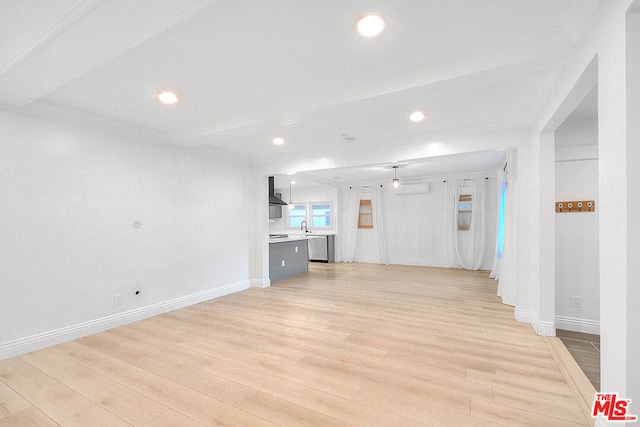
<point x="303" y="226"/>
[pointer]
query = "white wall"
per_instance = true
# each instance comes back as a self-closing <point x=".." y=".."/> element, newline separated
<point x="414" y="228"/>
<point x="68" y="246"/>
<point x="577" y="252"/>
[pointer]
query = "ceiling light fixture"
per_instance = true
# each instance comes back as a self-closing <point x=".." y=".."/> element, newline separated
<point x="290" y="205"/>
<point x="417" y="116"/>
<point x="278" y="141"/>
<point x="370" y="25"/>
<point x="167" y="97"/>
<point x="395" y="182"/>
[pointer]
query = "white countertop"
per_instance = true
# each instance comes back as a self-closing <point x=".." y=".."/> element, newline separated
<point x="295" y="237"/>
<point x="286" y="239"/>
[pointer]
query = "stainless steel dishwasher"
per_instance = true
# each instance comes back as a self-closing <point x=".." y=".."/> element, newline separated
<point x="321" y="248"/>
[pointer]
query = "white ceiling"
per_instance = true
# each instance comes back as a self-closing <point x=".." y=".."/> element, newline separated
<point x="412" y="171"/>
<point x="249" y="70"/>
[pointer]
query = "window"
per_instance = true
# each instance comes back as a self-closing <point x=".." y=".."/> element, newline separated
<point x="464" y="212"/>
<point x="316" y="215"/>
<point x="297" y="215"/>
<point x="365" y="220"/>
<point x="321" y="214"/>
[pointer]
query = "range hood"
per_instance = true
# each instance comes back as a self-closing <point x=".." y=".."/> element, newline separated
<point x="273" y="200"/>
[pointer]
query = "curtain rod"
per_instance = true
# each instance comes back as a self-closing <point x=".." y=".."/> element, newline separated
<point x="364" y="186"/>
<point x="469" y="179"/>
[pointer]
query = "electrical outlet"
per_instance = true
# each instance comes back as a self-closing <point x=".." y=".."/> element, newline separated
<point x="283" y="263"/>
<point x="117" y="299"/>
<point x="296" y="249"/>
<point x="576" y="302"/>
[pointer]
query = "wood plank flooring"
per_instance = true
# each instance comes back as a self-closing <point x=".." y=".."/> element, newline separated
<point x="344" y="344"/>
<point x="585" y="349"/>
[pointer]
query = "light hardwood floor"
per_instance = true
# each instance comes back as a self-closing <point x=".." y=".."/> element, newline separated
<point x="355" y="344"/>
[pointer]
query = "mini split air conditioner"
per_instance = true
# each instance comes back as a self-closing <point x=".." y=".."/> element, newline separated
<point x="406" y="189"/>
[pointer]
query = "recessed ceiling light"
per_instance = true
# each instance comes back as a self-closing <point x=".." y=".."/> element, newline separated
<point x="370" y="25"/>
<point x="417" y="116"/>
<point x="168" y="97"/>
<point x="278" y="141"/>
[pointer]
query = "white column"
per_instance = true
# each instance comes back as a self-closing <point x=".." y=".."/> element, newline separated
<point x="257" y="210"/>
<point x="613" y="192"/>
<point x="547" y="232"/>
<point x="633" y="206"/>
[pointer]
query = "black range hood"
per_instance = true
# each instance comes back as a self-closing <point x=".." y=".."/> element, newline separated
<point x="273" y="200"/>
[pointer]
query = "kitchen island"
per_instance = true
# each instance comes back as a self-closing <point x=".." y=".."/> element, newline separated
<point x="287" y="256"/>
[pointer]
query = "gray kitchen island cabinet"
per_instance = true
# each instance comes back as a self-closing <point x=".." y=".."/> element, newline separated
<point x="287" y="257"/>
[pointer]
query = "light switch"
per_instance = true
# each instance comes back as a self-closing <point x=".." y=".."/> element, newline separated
<point x="283" y="263"/>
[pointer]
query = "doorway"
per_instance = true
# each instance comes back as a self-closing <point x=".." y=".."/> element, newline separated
<point x="577" y="295"/>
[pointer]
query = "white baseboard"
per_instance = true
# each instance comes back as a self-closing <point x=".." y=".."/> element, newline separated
<point x="545" y="328"/>
<point x="541" y="327"/>
<point x="578" y="325"/>
<point x="523" y="316"/>
<point x="260" y="283"/>
<point x="57" y="336"/>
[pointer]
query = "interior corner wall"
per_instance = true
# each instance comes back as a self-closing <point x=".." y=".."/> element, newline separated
<point x="87" y="216"/>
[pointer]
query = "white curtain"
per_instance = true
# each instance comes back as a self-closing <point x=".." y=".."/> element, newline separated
<point x="378" y="223"/>
<point x="506" y="272"/>
<point x="500" y="217"/>
<point x="350" y="228"/>
<point x="471" y="258"/>
<point x="451" y="196"/>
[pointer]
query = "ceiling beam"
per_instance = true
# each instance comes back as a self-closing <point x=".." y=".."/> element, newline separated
<point x="72" y="40"/>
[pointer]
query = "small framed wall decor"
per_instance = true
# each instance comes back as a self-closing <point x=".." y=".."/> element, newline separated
<point x="464" y="212"/>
